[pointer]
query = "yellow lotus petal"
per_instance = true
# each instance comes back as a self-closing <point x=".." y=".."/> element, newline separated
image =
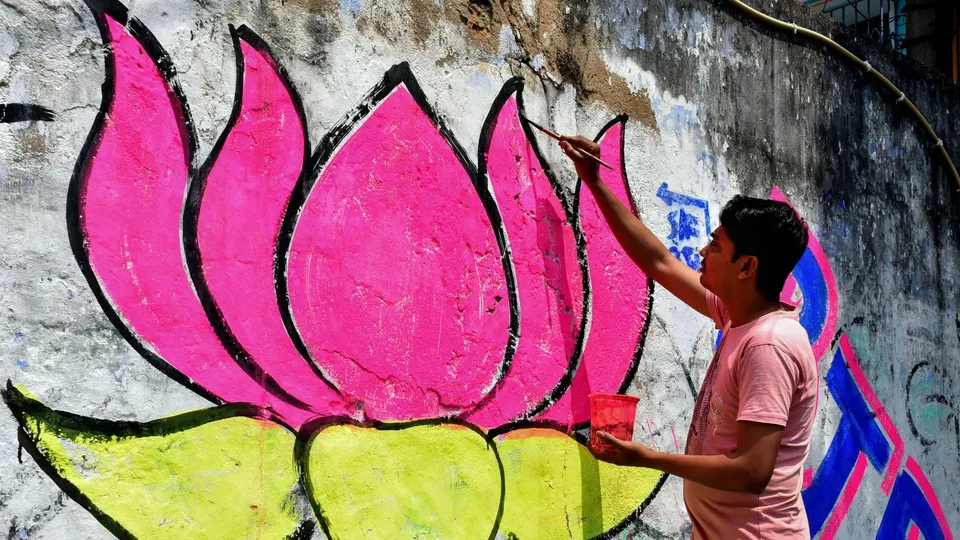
<point x="214" y="473"/>
<point x="411" y="480"/>
<point x="556" y="489"/>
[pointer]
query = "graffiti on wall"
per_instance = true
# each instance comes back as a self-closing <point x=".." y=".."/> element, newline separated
<point x="923" y="398"/>
<point x="389" y="331"/>
<point x="865" y="434"/>
<point x="689" y="219"/>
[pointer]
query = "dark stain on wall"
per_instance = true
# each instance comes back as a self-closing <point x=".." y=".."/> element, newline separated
<point x="565" y="38"/>
<point x="560" y="42"/>
<point x="796" y="115"/>
<point x="320" y="19"/>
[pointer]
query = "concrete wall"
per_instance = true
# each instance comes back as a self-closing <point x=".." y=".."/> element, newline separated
<point x="295" y="269"/>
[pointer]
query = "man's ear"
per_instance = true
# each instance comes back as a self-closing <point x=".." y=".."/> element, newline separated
<point x="748" y="266"/>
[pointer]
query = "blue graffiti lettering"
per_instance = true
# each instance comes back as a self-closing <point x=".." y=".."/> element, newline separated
<point x="908" y="504"/>
<point x="813" y="313"/>
<point x="822" y="495"/>
<point x="689" y="225"/>
<point x="858" y="431"/>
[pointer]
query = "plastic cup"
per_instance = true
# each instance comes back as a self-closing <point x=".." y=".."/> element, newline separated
<point x="613" y="414"/>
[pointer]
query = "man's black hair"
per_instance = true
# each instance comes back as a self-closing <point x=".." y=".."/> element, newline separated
<point x="769" y="230"/>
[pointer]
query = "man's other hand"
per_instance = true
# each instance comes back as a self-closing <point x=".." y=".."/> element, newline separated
<point x="621" y="452"/>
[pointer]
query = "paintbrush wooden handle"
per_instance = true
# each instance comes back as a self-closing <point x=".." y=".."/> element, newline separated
<point x="541" y="128"/>
<point x="549" y="132"/>
<point x="595" y="158"/>
<point x="553" y="134"/>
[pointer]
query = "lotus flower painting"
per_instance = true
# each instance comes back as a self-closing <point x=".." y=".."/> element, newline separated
<point x="393" y="337"/>
<point x="398" y="340"/>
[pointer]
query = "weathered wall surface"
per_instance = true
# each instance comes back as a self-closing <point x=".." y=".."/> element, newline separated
<point x="295" y="269"/>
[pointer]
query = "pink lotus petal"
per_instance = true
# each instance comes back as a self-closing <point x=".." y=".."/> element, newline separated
<point x="244" y="196"/>
<point x="395" y="278"/>
<point x="126" y="203"/>
<point x="620" y="297"/>
<point x="549" y="278"/>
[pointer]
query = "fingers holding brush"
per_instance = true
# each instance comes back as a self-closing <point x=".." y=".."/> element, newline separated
<point x="572" y="152"/>
<point x="585" y="156"/>
<point x="582" y="143"/>
<point x="578" y="147"/>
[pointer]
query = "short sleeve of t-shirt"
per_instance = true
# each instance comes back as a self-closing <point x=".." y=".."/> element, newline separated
<point x="717" y="310"/>
<point x="767" y="378"/>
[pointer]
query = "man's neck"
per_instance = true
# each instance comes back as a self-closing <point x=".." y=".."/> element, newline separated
<point x="745" y="308"/>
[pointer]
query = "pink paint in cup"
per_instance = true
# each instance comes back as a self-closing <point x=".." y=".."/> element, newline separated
<point x="613" y="414"/>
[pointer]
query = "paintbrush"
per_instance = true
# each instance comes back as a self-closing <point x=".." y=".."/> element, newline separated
<point x="559" y="138"/>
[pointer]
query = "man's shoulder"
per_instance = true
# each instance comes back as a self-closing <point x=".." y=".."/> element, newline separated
<point x="783" y="328"/>
<point x="786" y="334"/>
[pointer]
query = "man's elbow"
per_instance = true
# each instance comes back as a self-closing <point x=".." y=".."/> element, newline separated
<point x="757" y="480"/>
<point x="660" y="266"/>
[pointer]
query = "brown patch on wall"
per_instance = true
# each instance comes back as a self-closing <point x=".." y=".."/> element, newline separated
<point x="317" y="6"/>
<point x="382" y="23"/>
<point x="30" y="143"/>
<point x="394" y="21"/>
<point x="478" y="17"/>
<point x="560" y="31"/>
<point x="563" y="34"/>
<point x="306" y="32"/>
<point x="423" y="14"/>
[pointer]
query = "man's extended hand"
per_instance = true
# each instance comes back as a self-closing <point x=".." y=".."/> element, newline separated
<point x="622" y="452"/>
<point x="575" y="148"/>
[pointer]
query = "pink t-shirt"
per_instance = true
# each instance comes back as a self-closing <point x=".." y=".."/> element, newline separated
<point x="763" y="371"/>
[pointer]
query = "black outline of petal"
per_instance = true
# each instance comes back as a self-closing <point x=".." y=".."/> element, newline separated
<point x="78" y="242"/>
<point x="310" y="430"/>
<point x="614" y="531"/>
<point x="191" y="215"/>
<point x="21" y="406"/>
<point x="327" y="148"/>
<point x="572" y="216"/>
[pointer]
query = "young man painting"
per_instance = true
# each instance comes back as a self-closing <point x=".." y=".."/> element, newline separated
<point x="751" y="426"/>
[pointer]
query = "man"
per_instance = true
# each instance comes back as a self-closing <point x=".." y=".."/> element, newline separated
<point x="751" y="426"/>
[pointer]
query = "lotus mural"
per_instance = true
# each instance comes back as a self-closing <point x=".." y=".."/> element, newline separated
<point x="390" y="331"/>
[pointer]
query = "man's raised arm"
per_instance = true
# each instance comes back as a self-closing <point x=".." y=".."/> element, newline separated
<point x="638" y="241"/>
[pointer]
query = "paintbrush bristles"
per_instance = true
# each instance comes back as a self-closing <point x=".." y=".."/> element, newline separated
<point x="559" y="138"/>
